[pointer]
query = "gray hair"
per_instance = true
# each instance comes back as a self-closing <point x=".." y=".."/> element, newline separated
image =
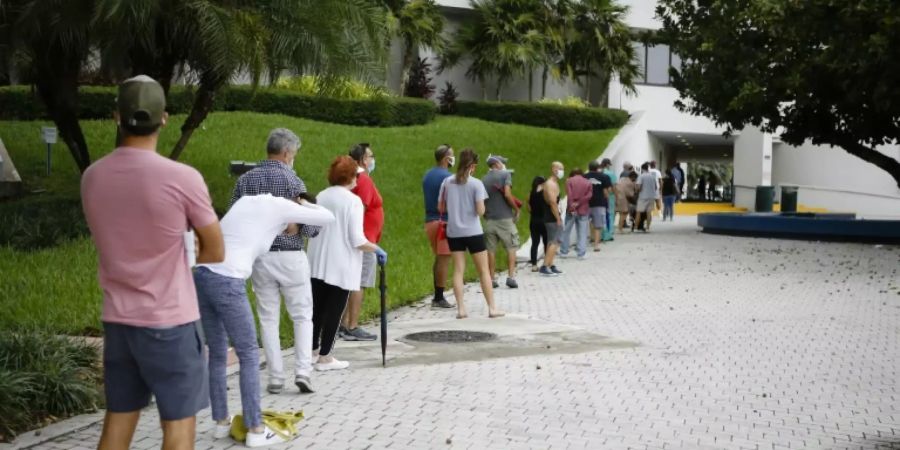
<point x="281" y="140"/>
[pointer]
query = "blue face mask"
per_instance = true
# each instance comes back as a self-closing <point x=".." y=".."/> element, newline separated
<point x="371" y="167"/>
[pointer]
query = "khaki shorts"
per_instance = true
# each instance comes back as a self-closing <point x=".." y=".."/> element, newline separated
<point x="500" y="230"/>
<point x="645" y="205"/>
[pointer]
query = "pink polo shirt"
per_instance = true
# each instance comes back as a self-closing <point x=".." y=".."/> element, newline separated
<point x="138" y="204"/>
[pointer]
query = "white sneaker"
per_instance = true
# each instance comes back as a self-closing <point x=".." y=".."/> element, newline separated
<point x="222" y="431"/>
<point x="267" y="437"/>
<point x="335" y="364"/>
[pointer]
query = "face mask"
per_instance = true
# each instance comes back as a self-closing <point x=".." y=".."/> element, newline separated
<point x="452" y="161"/>
<point x="560" y="174"/>
<point x="371" y="167"/>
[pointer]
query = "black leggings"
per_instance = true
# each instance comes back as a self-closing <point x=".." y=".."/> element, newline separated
<point x="328" y="306"/>
<point x="538" y="232"/>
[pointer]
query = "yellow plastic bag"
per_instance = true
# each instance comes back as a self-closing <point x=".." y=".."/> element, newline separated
<point x="282" y="423"/>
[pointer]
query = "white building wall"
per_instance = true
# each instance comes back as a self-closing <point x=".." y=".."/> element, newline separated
<point x="752" y="165"/>
<point x="831" y="178"/>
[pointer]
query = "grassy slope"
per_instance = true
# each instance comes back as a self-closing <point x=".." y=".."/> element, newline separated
<point x="57" y="287"/>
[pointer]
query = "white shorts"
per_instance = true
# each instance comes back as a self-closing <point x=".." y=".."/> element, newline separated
<point x="645" y="205"/>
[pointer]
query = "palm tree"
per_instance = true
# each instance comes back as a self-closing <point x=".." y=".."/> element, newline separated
<point x="216" y="40"/>
<point x="504" y="39"/>
<point x="419" y="23"/>
<point x="601" y="44"/>
<point x="53" y="37"/>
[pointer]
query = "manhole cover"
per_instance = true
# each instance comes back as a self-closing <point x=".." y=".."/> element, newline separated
<point x="451" y="336"/>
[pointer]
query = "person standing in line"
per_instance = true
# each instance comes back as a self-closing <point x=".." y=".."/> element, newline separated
<point x="373" y="223"/>
<point x="579" y="192"/>
<point x="602" y="200"/>
<point x="552" y="220"/>
<point x="139" y="207"/>
<point x="431" y="187"/>
<point x="626" y="195"/>
<point x="501" y="212"/>
<point x="537" y="207"/>
<point x="249" y="228"/>
<point x="678" y="174"/>
<point x="669" y="194"/>
<point x="658" y="175"/>
<point x="608" y="230"/>
<point x="647" y="188"/>
<point x="284" y="270"/>
<point x="336" y="258"/>
<point x="462" y="197"/>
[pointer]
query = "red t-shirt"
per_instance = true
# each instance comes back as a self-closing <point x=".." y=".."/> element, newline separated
<point x="373" y="218"/>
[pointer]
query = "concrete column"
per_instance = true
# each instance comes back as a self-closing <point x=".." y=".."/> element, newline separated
<point x="752" y="165"/>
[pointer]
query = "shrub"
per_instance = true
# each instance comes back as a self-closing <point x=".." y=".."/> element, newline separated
<point x="419" y="83"/>
<point x="447" y="99"/>
<point x="98" y="103"/>
<point x="41" y="223"/>
<point x="572" y="101"/>
<point x="342" y="88"/>
<point x="44" y="376"/>
<point x="544" y="115"/>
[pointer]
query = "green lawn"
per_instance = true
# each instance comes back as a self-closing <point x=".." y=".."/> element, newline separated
<point x="57" y="287"/>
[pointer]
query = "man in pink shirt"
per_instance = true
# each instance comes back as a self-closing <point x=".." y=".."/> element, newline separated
<point x="579" y="191"/>
<point x="139" y="207"/>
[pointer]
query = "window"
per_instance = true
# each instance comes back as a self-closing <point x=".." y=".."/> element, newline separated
<point x="654" y="62"/>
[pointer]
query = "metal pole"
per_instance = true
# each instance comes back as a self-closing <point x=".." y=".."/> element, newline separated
<point x="48" y="159"/>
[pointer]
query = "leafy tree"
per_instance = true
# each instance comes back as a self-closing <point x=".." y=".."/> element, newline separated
<point x="52" y="42"/>
<point x="817" y="70"/>
<point x="218" y="40"/>
<point x="419" y="23"/>
<point x="599" y="44"/>
<point x="504" y="39"/>
<point x="447" y="99"/>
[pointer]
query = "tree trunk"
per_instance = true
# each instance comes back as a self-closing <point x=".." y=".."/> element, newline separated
<point x="587" y="88"/>
<point x="544" y="76"/>
<point x="531" y="85"/>
<point x="406" y="65"/>
<point x="59" y="93"/>
<point x="499" y="88"/>
<point x="483" y="90"/>
<point x="203" y="104"/>
<point x="870" y="155"/>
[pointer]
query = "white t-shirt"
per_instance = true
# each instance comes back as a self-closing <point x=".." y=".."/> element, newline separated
<point x="251" y="225"/>
<point x="333" y="254"/>
<point x="657" y="175"/>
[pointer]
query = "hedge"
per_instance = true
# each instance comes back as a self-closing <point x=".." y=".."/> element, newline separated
<point x="544" y="115"/>
<point x="96" y="102"/>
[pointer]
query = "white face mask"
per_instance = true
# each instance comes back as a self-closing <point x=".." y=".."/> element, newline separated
<point x="452" y="161"/>
<point x="371" y="167"/>
<point x="560" y="174"/>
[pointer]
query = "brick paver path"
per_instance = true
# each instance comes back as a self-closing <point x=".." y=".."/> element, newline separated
<point x="744" y="343"/>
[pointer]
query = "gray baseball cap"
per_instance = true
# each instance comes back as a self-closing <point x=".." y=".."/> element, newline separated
<point x="141" y="102"/>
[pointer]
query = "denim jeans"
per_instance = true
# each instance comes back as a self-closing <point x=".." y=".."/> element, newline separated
<point x="669" y="206"/>
<point x="225" y="314"/>
<point x="580" y="223"/>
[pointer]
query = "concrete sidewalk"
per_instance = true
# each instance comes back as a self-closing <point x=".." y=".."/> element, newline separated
<point x="671" y="339"/>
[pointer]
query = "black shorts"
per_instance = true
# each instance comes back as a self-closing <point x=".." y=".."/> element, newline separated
<point x="169" y="363"/>
<point x="474" y="244"/>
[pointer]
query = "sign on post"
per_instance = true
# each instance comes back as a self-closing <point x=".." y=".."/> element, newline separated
<point x="49" y="135"/>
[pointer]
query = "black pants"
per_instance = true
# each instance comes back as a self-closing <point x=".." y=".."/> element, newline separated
<point x="328" y="306"/>
<point x="538" y="233"/>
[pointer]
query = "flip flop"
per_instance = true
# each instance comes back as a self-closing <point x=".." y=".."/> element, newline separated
<point x="494" y="316"/>
<point x="462" y="316"/>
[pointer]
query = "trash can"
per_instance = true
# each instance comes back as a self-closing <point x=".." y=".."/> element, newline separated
<point x="765" y="195"/>
<point x="789" y="199"/>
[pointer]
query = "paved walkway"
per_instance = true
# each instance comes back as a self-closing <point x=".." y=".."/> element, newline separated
<point x="742" y="343"/>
